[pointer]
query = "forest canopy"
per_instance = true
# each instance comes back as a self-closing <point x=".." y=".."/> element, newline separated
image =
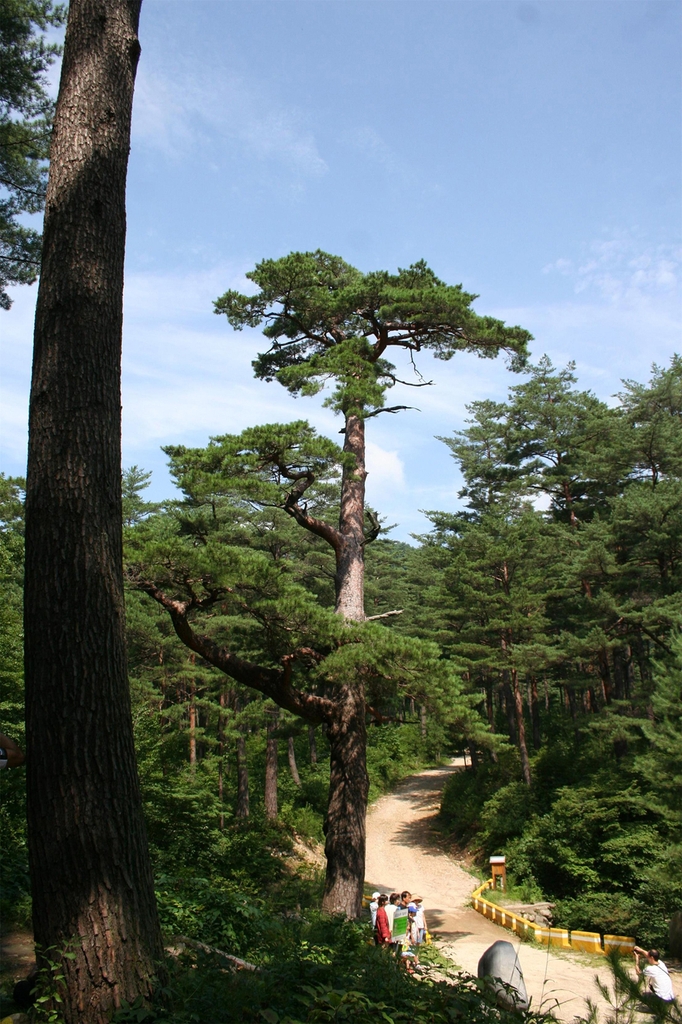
<point x="539" y="632"/>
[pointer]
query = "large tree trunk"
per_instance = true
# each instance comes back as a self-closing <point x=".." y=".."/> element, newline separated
<point x="350" y="553"/>
<point x="345" y="826"/>
<point x="271" y="768"/>
<point x="90" y="871"/>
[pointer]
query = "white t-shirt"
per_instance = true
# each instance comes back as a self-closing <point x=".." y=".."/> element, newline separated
<point x="419" y="917"/>
<point x="390" y="909"/>
<point x="659" y="981"/>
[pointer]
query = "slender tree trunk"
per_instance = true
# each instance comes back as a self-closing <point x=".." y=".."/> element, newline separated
<point x="347" y="806"/>
<point x="473" y="754"/>
<point x="192" y="724"/>
<point x="350" y="555"/>
<point x="520" y="727"/>
<point x="509" y="706"/>
<point x="605" y="673"/>
<point x="293" y="768"/>
<point x="221" y="756"/>
<point x="271" y="768"/>
<point x="312" y="744"/>
<point x="242" y="778"/>
<point x="422" y="721"/>
<point x="489" y="704"/>
<point x="90" y="870"/>
<point x="619" y="674"/>
<point x="535" y="713"/>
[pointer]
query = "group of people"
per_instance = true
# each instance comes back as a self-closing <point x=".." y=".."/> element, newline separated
<point x="399" y="922"/>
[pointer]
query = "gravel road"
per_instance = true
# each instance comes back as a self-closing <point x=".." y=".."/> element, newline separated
<point x="404" y="852"/>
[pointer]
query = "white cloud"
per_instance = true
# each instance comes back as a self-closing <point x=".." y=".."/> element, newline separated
<point x="180" y="114"/>
<point x="187" y="376"/>
<point x="621" y="272"/>
<point x="385" y="472"/>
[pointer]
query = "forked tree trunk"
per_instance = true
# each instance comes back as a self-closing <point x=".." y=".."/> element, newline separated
<point x="345" y="826"/>
<point x="271" y="768"/>
<point x="90" y="870"/>
<point x="350" y="555"/>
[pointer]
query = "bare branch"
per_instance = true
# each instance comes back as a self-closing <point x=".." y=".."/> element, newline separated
<point x="391" y="408"/>
<point x="385" y="615"/>
<point x="375" y="530"/>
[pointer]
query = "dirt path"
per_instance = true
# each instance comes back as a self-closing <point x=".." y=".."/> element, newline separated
<point x="403" y="852"/>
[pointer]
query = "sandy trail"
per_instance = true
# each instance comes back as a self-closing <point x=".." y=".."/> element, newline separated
<point x="404" y="852"/>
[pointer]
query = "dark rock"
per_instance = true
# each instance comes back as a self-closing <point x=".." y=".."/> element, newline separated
<point x="23" y="994"/>
<point x="500" y="963"/>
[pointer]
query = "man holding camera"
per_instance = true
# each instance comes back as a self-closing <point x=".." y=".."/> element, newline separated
<point x="655" y="972"/>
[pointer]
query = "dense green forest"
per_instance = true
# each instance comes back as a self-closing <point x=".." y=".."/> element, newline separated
<point x="557" y="592"/>
<point x="539" y="633"/>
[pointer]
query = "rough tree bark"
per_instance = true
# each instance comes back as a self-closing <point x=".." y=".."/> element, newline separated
<point x="350" y="550"/>
<point x="345" y="823"/>
<point x="90" y="871"/>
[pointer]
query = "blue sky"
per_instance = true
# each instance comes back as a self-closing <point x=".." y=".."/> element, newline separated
<point x="530" y="150"/>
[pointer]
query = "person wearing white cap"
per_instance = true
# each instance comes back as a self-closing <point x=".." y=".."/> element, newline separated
<point x="373" y="907"/>
<point x="420" y="918"/>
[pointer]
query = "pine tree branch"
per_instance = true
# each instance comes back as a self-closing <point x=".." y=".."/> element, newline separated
<point x="272" y="683"/>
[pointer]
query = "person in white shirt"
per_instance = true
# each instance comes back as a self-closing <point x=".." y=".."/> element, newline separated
<point x="374" y="906"/>
<point x="655" y="972"/>
<point x="391" y="908"/>
<point x="420" y="918"/>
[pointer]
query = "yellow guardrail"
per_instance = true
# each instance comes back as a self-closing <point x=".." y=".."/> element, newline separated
<point x="587" y="942"/>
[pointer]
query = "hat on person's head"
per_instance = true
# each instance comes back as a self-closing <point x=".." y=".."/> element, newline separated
<point x="376" y="895"/>
<point x="417" y="899"/>
<point x="412" y="908"/>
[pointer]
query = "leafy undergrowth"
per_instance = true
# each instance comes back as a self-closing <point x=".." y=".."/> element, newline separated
<point x="316" y="970"/>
